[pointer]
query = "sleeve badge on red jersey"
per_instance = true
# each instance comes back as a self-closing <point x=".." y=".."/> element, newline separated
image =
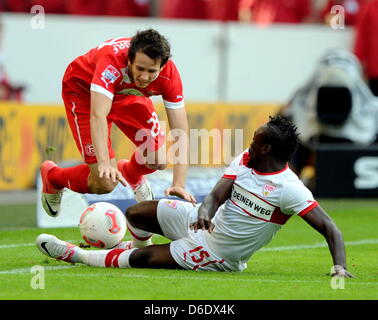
<point x="110" y="75"/>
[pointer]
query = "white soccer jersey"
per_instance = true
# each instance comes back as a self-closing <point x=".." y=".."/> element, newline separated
<point x="259" y="205"/>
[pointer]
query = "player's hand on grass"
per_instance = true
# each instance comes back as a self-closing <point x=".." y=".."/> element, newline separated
<point x="107" y="171"/>
<point x="340" y="271"/>
<point x="181" y="193"/>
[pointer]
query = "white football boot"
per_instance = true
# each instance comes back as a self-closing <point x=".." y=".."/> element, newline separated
<point x="142" y="190"/>
<point x="53" y="247"/>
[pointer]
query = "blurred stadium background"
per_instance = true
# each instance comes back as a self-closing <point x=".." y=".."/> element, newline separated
<point x="235" y="72"/>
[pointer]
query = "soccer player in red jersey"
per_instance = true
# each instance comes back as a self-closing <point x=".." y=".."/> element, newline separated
<point x="109" y="84"/>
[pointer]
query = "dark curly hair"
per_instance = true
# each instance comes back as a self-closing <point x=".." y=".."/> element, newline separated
<point x="151" y="43"/>
<point x="282" y="135"/>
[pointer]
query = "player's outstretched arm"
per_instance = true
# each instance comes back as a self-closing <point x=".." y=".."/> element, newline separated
<point x="100" y="108"/>
<point x="220" y="193"/>
<point x="321" y="222"/>
<point x="178" y="123"/>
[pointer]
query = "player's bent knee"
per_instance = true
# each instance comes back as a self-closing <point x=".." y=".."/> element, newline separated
<point x="139" y="214"/>
<point x="131" y="213"/>
<point x="102" y="187"/>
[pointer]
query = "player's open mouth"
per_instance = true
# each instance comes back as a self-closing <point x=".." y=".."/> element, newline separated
<point x="142" y="83"/>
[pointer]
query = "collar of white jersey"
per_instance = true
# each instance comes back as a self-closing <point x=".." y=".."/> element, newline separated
<point x="270" y="173"/>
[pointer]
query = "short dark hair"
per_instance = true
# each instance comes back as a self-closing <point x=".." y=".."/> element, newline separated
<point x="282" y="135"/>
<point x="151" y="43"/>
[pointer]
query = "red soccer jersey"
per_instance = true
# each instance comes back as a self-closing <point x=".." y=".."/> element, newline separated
<point x="104" y="70"/>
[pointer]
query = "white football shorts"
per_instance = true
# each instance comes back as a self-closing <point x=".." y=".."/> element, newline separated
<point x="188" y="249"/>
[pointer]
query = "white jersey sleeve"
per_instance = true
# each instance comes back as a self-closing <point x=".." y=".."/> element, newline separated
<point x="296" y="199"/>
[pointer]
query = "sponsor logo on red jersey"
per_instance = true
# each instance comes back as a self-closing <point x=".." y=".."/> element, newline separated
<point x="131" y="92"/>
<point x="110" y="75"/>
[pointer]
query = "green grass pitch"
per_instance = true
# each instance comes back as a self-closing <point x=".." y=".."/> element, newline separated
<point x="292" y="267"/>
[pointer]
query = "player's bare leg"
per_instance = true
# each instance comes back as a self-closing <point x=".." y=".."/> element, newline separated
<point x="144" y="216"/>
<point x="99" y="185"/>
<point x="82" y="178"/>
<point x="154" y="256"/>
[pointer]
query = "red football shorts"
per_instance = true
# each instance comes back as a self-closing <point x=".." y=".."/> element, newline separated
<point x="135" y="116"/>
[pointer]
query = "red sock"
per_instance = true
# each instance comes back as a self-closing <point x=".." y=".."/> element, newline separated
<point x="133" y="171"/>
<point x="74" y="178"/>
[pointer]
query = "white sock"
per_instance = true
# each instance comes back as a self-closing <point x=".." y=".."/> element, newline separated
<point x="140" y="244"/>
<point x="107" y="258"/>
<point x="140" y="238"/>
<point x="77" y="256"/>
<point x="123" y="259"/>
<point x="134" y="243"/>
<point x="95" y="258"/>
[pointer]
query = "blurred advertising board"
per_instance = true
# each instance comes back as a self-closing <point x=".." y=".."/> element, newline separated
<point x="344" y="170"/>
<point x="30" y="134"/>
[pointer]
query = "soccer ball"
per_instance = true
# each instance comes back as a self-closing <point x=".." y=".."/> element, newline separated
<point x="102" y="225"/>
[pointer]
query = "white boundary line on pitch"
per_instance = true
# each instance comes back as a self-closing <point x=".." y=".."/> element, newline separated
<point x="282" y="248"/>
<point x="19" y="245"/>
<point x="200" y="278"/>
<point x="319" y="245"/>
<point x="28" y="270"/>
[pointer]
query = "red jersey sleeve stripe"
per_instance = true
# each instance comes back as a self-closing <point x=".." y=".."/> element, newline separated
<point x="229" y="176"/>
<point x="308" y="209"/>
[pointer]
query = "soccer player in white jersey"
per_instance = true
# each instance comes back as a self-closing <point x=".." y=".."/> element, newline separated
<point x="257" y="194"/>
